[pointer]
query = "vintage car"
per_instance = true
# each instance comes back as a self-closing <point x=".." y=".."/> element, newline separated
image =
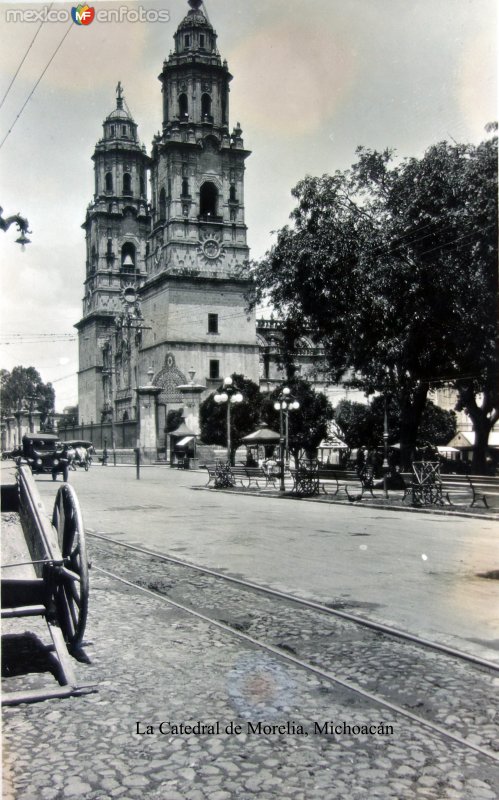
<point x="44" y="452"/>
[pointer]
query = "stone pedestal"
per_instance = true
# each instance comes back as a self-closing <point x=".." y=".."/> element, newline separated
<point x="191" y="400"/>
<point x="146" y="402"/>
<point x="35" y="421"/>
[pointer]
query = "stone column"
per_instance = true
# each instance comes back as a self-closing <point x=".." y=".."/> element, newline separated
<point x="191" y="400"/>
<point x="35" y="421"/>
<point x="11" y="433"/>
<point x="146" y="402"/>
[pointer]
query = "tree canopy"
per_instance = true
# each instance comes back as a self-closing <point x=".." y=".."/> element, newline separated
<point x="393" y="265"/>
<point x="307" y="425"/>
<point x="245" y="416"/>
<point x="363" y="424"/>
<point x="24" y="388"/>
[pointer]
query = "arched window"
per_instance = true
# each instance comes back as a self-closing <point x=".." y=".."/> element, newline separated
<point x="185" y="188"/>
<point x="142" y="186"/>
<point x="127" y="183"/>
<point x="93" y="259"/>
<point x="205" y="106"/>
<point x="208" y="200"/>
<point x="128" y="257"/>
<point x="109" y="182"/>
<point x="183" y="107"/>
<point x="162" y="204"/>
<point x="233" y="196"/>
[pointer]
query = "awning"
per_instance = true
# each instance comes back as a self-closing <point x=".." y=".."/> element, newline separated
<point x="263" y="435"/>
<point x="184" y="442"/>
<point x="333" y="444"/>
<point x="447" y="449"/>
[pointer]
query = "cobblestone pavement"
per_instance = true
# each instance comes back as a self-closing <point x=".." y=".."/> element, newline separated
<point x="155" y="664"/>
<point x="438" y="687"/>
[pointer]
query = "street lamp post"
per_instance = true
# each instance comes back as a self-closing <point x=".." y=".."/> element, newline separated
<point x="230" y="395"/>
<point x="284" y="404"/>
<point x="386" y="465"/>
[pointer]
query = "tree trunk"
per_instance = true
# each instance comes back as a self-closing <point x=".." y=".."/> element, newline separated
<point x="412" y="404"/>
<point x="483" y="418"/>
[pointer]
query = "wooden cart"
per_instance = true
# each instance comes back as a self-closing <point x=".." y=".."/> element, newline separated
<point x="44" y="572"/>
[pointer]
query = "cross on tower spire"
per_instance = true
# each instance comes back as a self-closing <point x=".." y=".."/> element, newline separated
<point x="119" y="95"/>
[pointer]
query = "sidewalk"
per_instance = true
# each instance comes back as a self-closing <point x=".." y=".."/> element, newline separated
<point x="392" y="503"/>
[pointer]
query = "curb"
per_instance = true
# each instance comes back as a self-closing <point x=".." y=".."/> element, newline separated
<point x="408" y="509"/>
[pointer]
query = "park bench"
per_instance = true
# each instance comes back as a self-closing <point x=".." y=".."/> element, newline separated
<point x="258" y="475"/>
<point x="483" y="488"/>
<point x="212" y="469"/>
<point x="305" y="481"/>
<point x="241" y="474"/>
<point x="311" y="481"/>
<point x="332" y="481"/>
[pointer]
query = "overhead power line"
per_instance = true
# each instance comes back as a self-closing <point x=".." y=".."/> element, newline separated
<point x="42" y="23"/>
<point x="36" y="84"/>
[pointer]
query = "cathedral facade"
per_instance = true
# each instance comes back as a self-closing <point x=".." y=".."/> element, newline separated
<point x="165" y="293"/>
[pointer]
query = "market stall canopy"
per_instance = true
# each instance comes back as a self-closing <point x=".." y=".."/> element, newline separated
<point x="185" y="441"/>
<point x="182" y="431"/>
<point x="264" y="435"/>
<point x="334" y="443"/>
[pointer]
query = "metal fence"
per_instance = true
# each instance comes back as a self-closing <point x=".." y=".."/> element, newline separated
<point x="101" y="434"/>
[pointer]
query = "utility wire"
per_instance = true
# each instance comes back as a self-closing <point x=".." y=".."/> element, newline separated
<point x="42" y="23"/>
<point x="36" y="84"/>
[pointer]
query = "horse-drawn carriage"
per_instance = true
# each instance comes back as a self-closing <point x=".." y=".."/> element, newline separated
<point x="44" y="571"/>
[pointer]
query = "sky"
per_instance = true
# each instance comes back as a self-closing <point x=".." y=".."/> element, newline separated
<point x="312" y="81"/>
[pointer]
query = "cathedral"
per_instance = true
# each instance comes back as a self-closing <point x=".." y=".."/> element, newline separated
<point x="166" y="284"/>
<point x="165" y="293"/>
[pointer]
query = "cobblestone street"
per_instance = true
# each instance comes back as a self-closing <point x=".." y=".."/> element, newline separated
<point x="154" y="664"/>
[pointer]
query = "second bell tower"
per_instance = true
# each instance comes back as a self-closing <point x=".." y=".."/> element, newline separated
<point x="198" y="253"/>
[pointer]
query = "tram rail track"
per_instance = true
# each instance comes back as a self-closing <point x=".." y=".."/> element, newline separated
<point x="333" y="612"/>
<point x="287" y="654"/>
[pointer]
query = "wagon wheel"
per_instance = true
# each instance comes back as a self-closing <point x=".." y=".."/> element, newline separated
<point x="72" y="585"/>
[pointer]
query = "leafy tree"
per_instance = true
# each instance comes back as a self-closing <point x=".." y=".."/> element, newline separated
<point x="24" y="388"/>
<point x="245" y="416"/>
<point x="356" y="424"/>
<point x="174" y="419"/>
<point x="394" y="265"/>
<point x="438" y="426"/>
<point x="307" y="425"/>
<point x="364" y="424"/>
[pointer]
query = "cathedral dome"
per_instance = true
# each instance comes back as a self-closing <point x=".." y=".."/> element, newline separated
<point x="120" y="123"/>
<point x="195" y="33"/>
<point x="195" y="19"/>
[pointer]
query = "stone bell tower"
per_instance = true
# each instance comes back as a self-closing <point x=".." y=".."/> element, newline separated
<point x="116" y="228"/>
<point x="194" y="296"/>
